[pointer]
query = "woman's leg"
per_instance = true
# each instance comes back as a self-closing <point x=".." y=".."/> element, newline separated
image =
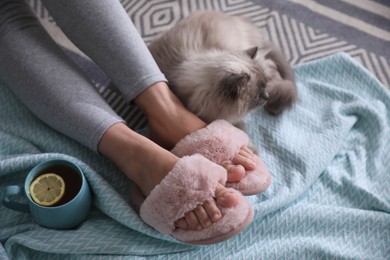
<point x="103" y="30"/>
<point x="47" y="81"/>
<point x="56" y="90"/>
<point x="147" y="163"/>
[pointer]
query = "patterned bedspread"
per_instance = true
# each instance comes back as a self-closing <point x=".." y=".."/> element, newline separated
<point x="304" y="29"/>
<point x="329" y="156"/>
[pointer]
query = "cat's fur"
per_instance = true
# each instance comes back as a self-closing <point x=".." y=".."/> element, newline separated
<point x="222" y="67"/>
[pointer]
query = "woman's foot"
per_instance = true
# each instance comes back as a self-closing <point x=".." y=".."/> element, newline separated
<point x="146" y="163"/>
<point x="242" y="161"/>
<point x="170" y="121"/>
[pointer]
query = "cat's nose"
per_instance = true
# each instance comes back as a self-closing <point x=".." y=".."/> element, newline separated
<point x="264" y="96"/>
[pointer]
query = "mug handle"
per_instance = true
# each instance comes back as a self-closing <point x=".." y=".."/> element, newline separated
<point x="14" y="190"/>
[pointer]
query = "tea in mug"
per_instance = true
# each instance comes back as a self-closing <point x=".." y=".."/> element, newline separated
<point x="55" y="186"/>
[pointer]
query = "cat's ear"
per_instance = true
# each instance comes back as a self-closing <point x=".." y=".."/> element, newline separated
<point x="268" y="54"/>
<point x="232" y="84"/>
<point x="236" y="80"/>
<point x="251" y="52"/>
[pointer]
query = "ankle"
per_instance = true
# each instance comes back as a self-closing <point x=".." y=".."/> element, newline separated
<point x="169" y="120"/>
<point x="143" y="162"/>
<point x="162" y="98"/>
<point x="115" y="145"/>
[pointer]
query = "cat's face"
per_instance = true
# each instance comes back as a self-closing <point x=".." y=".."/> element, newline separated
<point x="242" y="83"/>
<point x="228" y="86"/>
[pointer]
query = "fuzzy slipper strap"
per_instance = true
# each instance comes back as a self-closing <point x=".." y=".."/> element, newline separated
<point x="218" y="142"/>
<point x="190" y="183"/>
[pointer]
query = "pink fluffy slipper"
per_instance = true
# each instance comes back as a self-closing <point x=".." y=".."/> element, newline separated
<point x="186" y="186"/>
<point x="219" y="142"/>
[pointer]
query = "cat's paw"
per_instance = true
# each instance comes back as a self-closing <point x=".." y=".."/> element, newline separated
<point x="282" y="94"/>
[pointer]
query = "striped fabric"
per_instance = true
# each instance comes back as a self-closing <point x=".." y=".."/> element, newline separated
<point x="305" y="29"/>
<point x="329" y="158"/>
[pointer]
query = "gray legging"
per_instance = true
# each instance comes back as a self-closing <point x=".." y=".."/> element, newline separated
<point x="51" y="85"/>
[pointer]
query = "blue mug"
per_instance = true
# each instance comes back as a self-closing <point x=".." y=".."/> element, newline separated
<point x="69" y="212"/>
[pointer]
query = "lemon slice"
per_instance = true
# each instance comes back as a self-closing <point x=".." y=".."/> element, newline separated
<point x="47" y="189"/>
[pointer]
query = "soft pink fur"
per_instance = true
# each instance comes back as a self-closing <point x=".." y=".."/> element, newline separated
<point x="219" y="142"/>
<point x="190" y="183"/>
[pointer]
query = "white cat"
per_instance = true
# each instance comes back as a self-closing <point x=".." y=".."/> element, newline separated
<point x="221" y="67"/>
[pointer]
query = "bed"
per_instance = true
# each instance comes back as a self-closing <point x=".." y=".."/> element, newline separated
<point x="329" y="156"/>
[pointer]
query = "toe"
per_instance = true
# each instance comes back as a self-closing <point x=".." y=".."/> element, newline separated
<point x="182" y="224"/>
<point x="192" y="221"/>
<point x="235" y="172"/>
<point x="212" y="210"/>
<point x="245" y="158"/>
<point x="246" y="150"/>
<point x="226" y="197"/>
<point x="202" y="216"/>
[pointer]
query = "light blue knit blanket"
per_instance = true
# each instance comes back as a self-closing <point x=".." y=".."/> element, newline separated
<point x="330" y="196"/>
